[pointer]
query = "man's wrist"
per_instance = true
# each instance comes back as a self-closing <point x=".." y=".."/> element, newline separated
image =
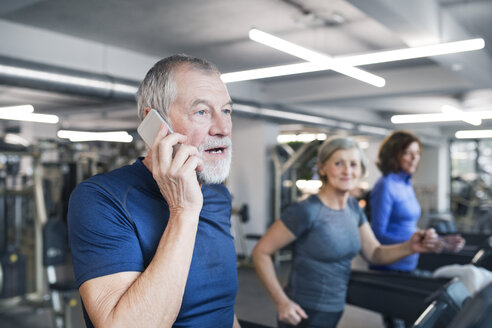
<point x="182" y="213"/>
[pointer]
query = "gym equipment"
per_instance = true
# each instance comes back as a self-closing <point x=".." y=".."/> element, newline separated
<point x="478" y="251"/>
<point x="407" y="297"/>
<point x="62" y="291"/>
<point x="16" y="231"/>
<point x="239" y="217"/>
<point x="477" y="312"/>
<point x="247" y="324"/>
<point x="287" y="163"/>
<point x="13" y="268"/>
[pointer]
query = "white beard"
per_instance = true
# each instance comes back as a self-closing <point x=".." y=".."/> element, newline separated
<point x="217" y="171"/>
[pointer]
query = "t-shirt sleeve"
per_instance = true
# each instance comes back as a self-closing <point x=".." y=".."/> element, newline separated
<point x="101" y="234"/>
<point x="361" y="217"/>
<point x="297" y="218"/>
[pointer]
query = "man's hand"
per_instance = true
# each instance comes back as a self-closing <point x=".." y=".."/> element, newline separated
<point x="176" y="176"/>
<point x="424" y="241"/>
<point x="291" y="313"/>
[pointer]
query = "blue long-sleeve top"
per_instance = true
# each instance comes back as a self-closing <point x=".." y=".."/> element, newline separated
<point x="394" y="215"/>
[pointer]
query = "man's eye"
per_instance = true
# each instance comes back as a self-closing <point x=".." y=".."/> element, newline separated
<point x="201" y="112"/>
<point x="228" y="111"/>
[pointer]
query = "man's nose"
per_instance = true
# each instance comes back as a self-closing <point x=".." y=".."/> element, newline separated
<point x="221" y="125"/>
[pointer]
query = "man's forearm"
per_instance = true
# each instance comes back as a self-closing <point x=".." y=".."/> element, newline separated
<point x="154" y="298"/>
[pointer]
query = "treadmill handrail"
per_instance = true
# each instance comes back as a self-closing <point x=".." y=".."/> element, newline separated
<point x="407" y="289"/>
<point x="431" y="314"/>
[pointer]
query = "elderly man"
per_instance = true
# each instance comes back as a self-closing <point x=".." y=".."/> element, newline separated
<point x="151" y="241"/>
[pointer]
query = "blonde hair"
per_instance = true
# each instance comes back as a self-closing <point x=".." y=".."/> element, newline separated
<point x="335" y="143"/>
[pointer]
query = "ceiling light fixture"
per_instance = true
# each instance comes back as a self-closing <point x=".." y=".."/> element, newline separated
<point x="469" y="118"/>
<point x="442" y="117"/>
<point x="473" y="134"/>
<point x="302" y="137"/>
<point x="355" y="60"/>
<point x="274" y="71"/>
<point x="15" y="139"/>
<point x="80" y="136"/>
<point x="25" y="113"/>
<point x="21" y="109"/>
<point x="414" y="52"/>
<point x="314" y="57"/>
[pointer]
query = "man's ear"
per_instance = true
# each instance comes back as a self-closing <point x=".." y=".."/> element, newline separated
<point x="146" y="111"/>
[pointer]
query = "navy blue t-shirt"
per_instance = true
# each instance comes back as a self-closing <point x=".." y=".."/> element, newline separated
<point x="116" y="221"/>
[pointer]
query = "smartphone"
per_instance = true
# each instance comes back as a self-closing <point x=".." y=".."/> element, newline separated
<point x="150" y="126"/>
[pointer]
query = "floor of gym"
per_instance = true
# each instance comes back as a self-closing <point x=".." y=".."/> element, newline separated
<point x="252" y="304"/>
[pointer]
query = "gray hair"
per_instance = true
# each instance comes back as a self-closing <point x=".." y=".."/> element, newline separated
<point x="158" y="89"/>
<point x="335" y="143"/>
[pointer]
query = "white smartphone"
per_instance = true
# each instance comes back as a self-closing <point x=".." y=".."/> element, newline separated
<point x="150" y="126"/>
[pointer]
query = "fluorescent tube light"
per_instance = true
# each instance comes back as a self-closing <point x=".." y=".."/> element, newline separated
<point x="314" y="57"/>
<point x="303" y="137"/>
<point x="439" y="117"/>
<point x="79" y="136"/>
<point x="411" y="53"/>
<point x="274" y="71"/>
<point x="356" y="60"/>
<point x="465" y="117"/>
<point x="25" y="113"/>
<point x="473" y="134"/>
<point x="425" y="118"/>
<point x="21" y="109"/>
<point x="309" y="186"/>
<point x="293" y="49"/>
<point x="15" y="139"/>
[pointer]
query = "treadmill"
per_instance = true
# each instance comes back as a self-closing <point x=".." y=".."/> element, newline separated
<point x="477" y="251"/>
<point x="477" y="312"/>
<point x="434" y="301"/>
<point x="248" y="324"/>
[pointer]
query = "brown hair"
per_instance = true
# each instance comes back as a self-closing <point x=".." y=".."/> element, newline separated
<point x="392" y="149"/>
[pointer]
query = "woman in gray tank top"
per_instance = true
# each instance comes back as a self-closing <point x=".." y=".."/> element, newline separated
<point x="328" y="229"/>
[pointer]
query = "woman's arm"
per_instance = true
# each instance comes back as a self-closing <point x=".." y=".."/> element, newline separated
<point x="274" y="239"/>
<point x="375" y="253"/>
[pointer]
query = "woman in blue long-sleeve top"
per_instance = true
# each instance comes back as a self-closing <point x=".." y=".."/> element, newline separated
<point x="394" y="206"/>
<point x="395" y="209"/>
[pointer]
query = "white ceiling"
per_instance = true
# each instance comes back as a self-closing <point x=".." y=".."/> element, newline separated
<point x="218" y="30"/>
